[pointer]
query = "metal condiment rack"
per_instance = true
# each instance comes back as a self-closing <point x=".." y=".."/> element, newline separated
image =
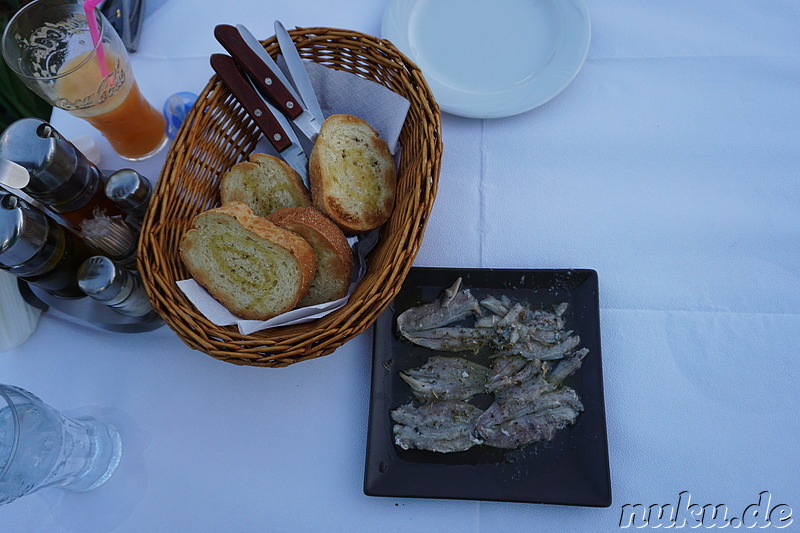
<point x="89" y="311"/>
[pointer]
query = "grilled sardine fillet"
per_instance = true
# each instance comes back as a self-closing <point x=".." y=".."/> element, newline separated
<point x="518" y="432"/>
<point x="446" y="378"/>
<point x="511" y="371"/>
<point x="568" y="366"/>
<point x="544" y="352"/>
<point x="452" y="306"/>
<point x="450" y="339"/>
<point x="510" y="328"/>
<point x="521" y="420"/>
<point x="438" y="427"/>
<point x="533" y="353"/>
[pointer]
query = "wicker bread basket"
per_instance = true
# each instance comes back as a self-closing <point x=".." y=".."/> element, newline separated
<point x="218" y="133"/>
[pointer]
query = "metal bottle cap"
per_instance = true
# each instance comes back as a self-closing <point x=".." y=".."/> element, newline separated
<point x="38" y="147"/>
<point x="100" y="278"/>
<point x="129" y="190"/>
<point x="23" y="231"/>
<point x="118" y="288"/>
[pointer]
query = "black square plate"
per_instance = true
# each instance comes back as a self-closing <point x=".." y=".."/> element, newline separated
<point x="572" y="469"/>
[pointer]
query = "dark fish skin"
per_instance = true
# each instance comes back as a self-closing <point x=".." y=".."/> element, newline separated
<point x="446" y="378"/>
<point x="442" y="427"/>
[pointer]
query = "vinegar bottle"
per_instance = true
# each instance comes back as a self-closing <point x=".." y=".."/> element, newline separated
<point x="67" y="183"/>
<point x="38" y="250"/>
<point x="61" y="177"/>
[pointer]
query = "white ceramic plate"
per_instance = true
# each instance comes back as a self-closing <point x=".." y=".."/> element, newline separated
<point x="490" y="59"/>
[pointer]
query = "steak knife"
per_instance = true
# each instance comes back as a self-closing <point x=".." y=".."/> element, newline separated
<point x="269" y="120"/>
<point x="298" y="72"/>
<point x="266" y="76"/>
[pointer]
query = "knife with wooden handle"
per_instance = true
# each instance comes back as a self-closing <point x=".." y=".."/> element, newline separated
<point x="252" y="102"/>
<point x="263" y="77"/>
<point x="268" y="78"/>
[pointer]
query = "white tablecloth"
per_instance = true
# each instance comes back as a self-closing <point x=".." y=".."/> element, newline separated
<point x="671" y="165"/>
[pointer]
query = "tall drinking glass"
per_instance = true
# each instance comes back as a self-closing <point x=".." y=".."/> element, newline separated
<point x="49" y="46"/>
<point x="40" y="447"/>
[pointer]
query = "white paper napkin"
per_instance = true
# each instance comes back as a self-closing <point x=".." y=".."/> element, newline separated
<point x="338" y="93"/>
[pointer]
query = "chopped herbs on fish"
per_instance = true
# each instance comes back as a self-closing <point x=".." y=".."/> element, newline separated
<point x="511" y="374"/>
<point x="506" y="327"/>
<point x="532" y="353"/>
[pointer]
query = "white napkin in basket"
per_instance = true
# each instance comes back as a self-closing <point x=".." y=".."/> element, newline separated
<point x="338" y="93"/>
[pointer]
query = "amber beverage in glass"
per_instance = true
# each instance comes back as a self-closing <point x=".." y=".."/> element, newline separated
<point x="49" y="47"/>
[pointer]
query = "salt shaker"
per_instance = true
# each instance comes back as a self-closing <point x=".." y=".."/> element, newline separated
<point x="130" y="191"/>
<point x="115" y="286"/>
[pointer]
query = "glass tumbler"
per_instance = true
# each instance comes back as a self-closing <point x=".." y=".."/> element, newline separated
<point x="49" y="46"/>
<point x="40" y="447"/>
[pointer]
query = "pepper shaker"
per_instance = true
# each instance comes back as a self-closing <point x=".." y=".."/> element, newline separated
<point x="130" y="191"/>
<point x="114" y="286"/>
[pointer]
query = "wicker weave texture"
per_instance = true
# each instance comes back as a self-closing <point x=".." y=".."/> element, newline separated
<point x="217" y="133"/>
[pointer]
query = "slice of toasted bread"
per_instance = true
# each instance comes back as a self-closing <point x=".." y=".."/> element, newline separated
<point x="353" y="176"/>
<point x="254" y="268"/>
<point x="334" y="257"/>
<point x="265" y="184"/>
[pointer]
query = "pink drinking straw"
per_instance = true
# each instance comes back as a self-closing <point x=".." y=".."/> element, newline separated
<point x="88" y="8"/>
